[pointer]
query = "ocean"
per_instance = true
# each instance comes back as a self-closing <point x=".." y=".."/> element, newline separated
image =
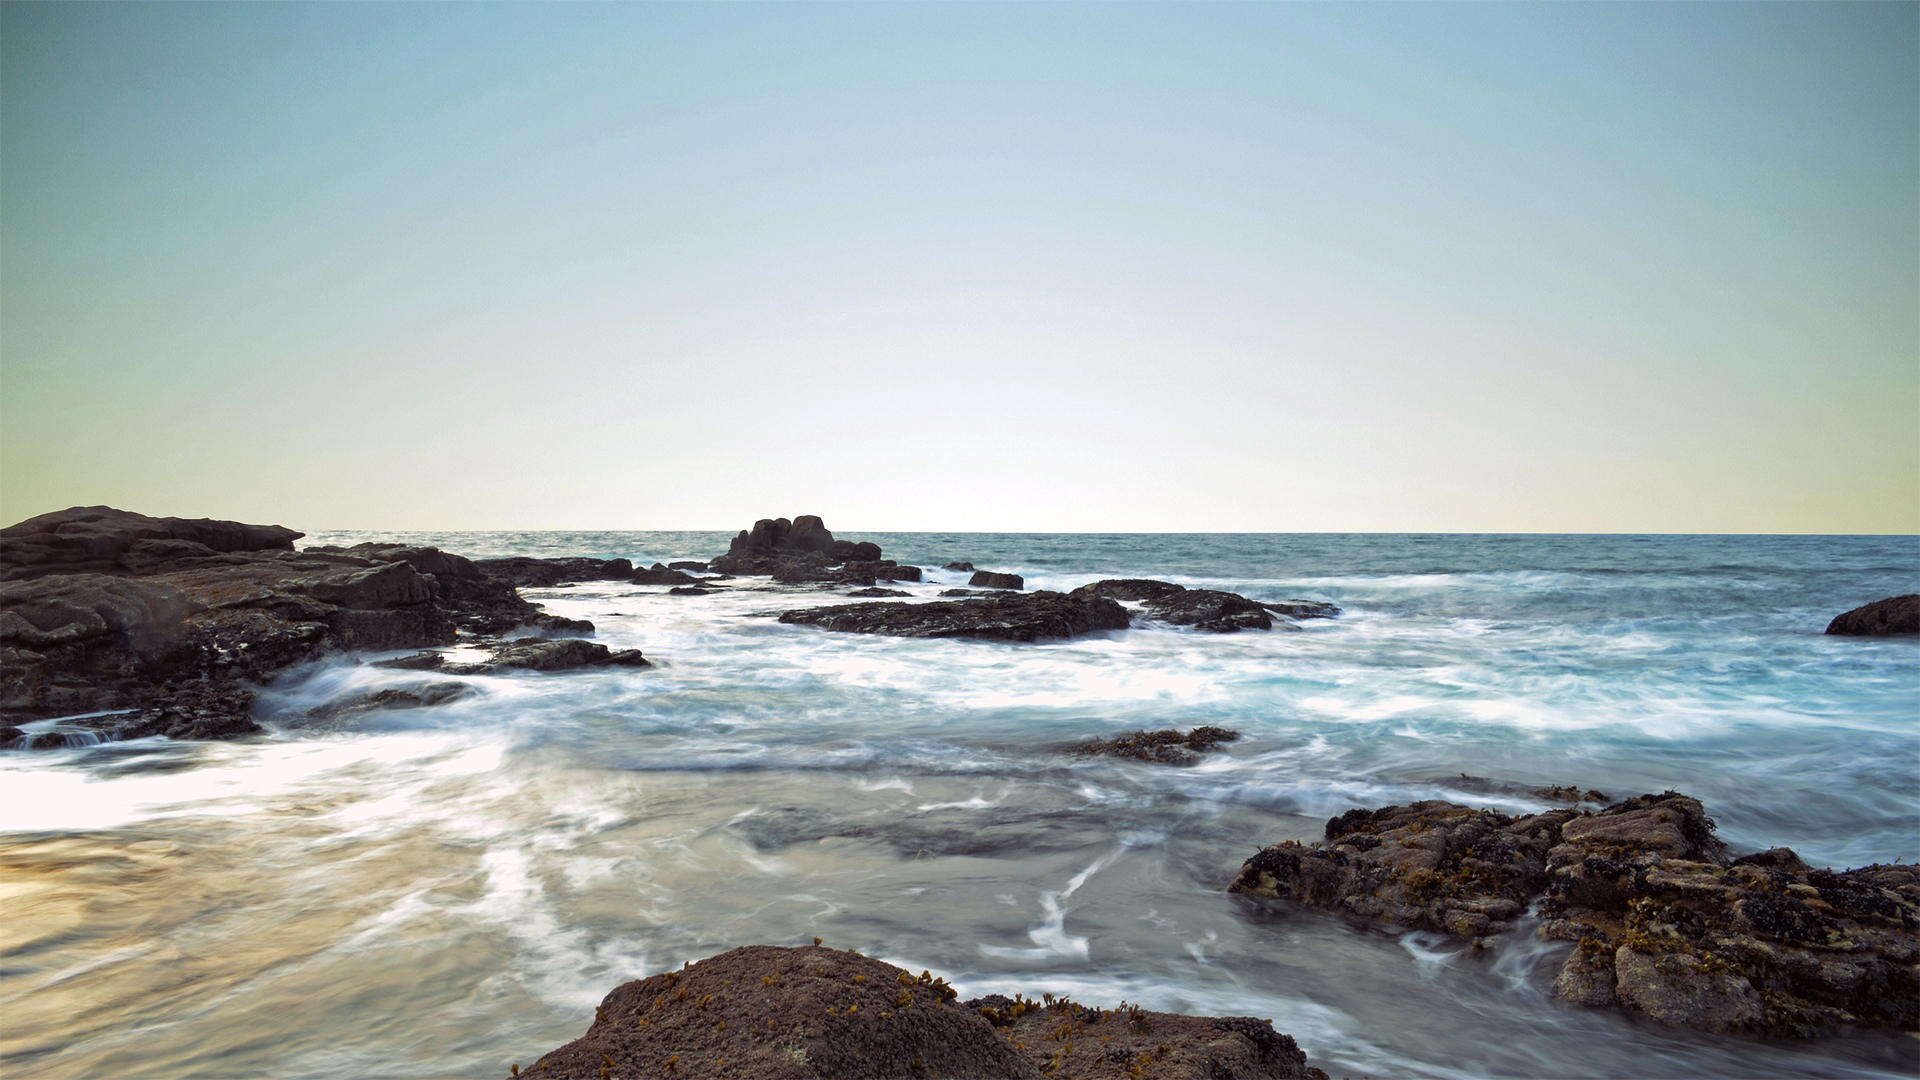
<point x="444" y="892"/>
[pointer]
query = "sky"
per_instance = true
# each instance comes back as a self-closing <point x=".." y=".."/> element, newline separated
<point x="971" y="267"/>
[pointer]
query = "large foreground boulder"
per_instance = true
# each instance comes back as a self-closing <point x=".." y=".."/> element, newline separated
<point x="1664" y="923"/>
<point x="1001" y="617"/>
<point x="1896" y="615"/>
<point x="769" y="1013"/>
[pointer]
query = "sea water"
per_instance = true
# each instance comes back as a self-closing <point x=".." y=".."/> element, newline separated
<point x="446" y="891"/>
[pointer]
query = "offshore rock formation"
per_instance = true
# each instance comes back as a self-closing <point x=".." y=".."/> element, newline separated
<point x="769" y="1013"/>
<point x="103" y="609"/>
<point x="1001" y="617"/>
<point x="1896" y="615"/>
<point x="1204" y="609"/>
<point x="987" y="579"/>
<point x="803" y="551"/>
<point x="1665" y="923"/>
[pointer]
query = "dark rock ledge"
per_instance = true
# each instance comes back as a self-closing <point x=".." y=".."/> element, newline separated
<point x="1664" y="922"/>
<point x="172" y="622"/>
<point x="768" y="1013"/>
<point x="1894" y="616"/>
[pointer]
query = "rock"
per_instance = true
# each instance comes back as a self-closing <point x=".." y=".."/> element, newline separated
<point x="662" y="576"/>
<point x="963" y="592"/>
<point x="1896" y="615"/>
<point x="194" y="613"/>
<point x="772" y="1012"/>
<point x="764" y="1012"/>
<point x="1211" y="610"/>
<point x="1665" y="923"/>
<point x="989" y="579"/>
<point x="890" y="572"/>
<point x="1002" y="617"/>
<point x="876" y="592"/>
<point x="421" y="661"/>
<point x="424" y="695"/>
<point x="1678" y="989"/>
<point x="690" y="590"/>
<point x="965" y="567"/>
<point x="545" y="654"/>
<point x="1429" y="866"/>
<point x="809" y="533"/>
<point x="94" y="539"/>
<point x="1203" y="609"/>
<point x="1302" y="609"/>
<point x="1168" y="747"/>
<point x="688" y="564"/>
<point x="529" y="573"/>
<point x="852" y="552"/>
<point x="1133" y="589"/>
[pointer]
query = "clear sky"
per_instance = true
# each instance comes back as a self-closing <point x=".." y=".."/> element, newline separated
<point x="1560" y="267"/>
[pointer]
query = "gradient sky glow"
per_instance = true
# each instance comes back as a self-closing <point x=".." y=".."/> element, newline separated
<point x="1568" y="268"/>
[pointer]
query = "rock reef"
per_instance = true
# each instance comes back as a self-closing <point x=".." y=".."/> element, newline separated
<point x="764" y="1012"/>
<point x="1664" y="922"/>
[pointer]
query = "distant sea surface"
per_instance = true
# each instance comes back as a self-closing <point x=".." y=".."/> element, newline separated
<point x="444" y="892"/>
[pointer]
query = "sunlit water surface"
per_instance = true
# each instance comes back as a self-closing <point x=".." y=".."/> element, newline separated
<point x="444" y="892"/>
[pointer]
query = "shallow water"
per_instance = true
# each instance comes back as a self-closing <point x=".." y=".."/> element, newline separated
<point x="443" y="892"/>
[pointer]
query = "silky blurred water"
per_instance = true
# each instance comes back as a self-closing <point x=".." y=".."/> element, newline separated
<point x="443" y="892"/>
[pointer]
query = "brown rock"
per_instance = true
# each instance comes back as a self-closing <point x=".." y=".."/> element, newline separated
<point x="762" y="1013"/>
<point x="987" y="579"/>
<point x="1896" y="615"/>
<point x="1675" y="988"/>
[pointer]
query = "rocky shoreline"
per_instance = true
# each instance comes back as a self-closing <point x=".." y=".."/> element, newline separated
<point x="127" y="626"/>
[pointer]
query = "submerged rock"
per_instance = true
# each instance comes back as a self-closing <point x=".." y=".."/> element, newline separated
<point x="420" y="696"/>
<point x="1167" y="746"/>
<point x="550" y="654"/>
<point x="1002" y="617"/>
<point x="1896" y="615"/>
<point x="764" y="1012"/>
<point x="1664" y="922"/>
<point x="876" y="593"/>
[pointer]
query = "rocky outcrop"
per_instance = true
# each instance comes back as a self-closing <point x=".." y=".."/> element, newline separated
<point x="1664" y="923"/>
<point x="964" y="567"/>
<point x="987" y="579"/>
<point x="102" y="540"/>
<point x="527" y="573"/>
<point x="878" y="593"/>
<point x="1429" y="866"/>
<point x="1202" y="609"/>
<point x="185" y="616"/>
<point x="1001" y="617"/>
<point x="764" y="1012"/>
<point x="803" y="551"/>
<point x="1896" y="615"/>
<point x="1167" y="747"/>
